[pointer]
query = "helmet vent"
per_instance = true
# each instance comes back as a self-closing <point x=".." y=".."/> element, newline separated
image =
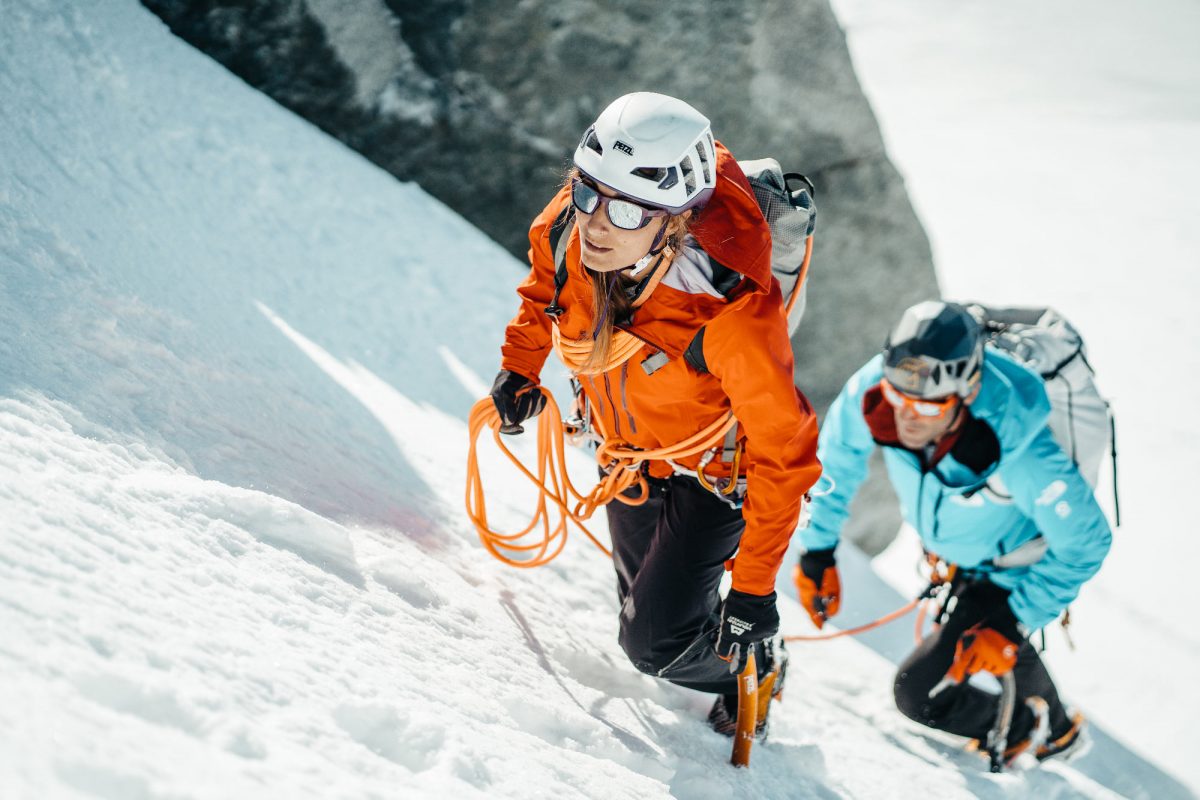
<point x="655" y="174"/>
<point x="703" y="162"/>
<point x="671" y="179"/>
<point x="689" y="178"/>
<point x="654" y="149"/>
<point x="592" y="142"/>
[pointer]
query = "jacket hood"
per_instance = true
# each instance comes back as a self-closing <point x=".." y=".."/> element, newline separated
<point x="731" y="228"/>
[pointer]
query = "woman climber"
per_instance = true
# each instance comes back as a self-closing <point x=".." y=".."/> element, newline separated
<point x="651" y="278"/>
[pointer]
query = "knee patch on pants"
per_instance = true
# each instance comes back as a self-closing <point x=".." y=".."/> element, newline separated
<point x="909" y="699"/>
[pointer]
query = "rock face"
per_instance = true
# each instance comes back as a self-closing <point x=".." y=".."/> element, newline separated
<point x="481" y="102"/>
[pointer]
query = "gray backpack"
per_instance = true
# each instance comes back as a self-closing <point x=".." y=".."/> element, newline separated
<point x="1080" y="417"/>
<point x="792" y="216"/>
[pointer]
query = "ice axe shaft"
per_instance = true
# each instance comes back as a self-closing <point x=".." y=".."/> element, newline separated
<point x="997" y="740"/>
<point x="747" y="713"/>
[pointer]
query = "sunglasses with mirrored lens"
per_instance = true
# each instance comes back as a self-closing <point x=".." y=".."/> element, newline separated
<point x="922" y="408"/>
<point x="625" y="214"/>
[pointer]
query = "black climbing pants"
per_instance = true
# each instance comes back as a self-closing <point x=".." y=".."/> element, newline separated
<point x="670" y="554"/>
<point x="965" y="709"/>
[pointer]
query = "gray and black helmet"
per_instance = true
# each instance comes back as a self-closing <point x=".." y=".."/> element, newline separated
<point x="935" y="350"/>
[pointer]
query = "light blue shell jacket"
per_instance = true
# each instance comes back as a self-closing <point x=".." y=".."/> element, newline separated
<point x="968" y="518"/>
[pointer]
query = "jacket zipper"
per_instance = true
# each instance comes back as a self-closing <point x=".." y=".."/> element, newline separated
<point x="615" y="416"/>
<point x="920" y="499"/>
<point x="596" y="391"/>
<point x="625" y="399"/>
<point x="937" y="507"/>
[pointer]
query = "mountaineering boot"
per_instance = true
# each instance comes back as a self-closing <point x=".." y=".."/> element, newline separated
<point x="1072" y="744"/>
<point x="723" y="716"/>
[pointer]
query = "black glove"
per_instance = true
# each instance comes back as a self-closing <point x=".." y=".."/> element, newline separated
<point x="745" y="619"/>
<point x="517" y="399"/>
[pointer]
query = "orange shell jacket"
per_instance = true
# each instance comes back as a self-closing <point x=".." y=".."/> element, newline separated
<point x="746" y="348"/>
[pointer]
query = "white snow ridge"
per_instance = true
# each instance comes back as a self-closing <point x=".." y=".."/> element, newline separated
<point x="235" y="364"/>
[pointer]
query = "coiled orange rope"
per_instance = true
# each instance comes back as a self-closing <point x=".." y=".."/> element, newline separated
<point x="622" y="462"/>
<point x="575" y="352"/>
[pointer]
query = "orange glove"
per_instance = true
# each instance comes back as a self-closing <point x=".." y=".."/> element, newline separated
<point x="820" y="588"/>
<point x="982" y="650"/>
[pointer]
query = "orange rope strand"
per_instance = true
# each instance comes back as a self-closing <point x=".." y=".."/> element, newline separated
<point x="821" y="637"/>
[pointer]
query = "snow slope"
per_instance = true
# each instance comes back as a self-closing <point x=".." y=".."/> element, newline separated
<point x="1050" y="149"/>
<point x="235" y="364"/>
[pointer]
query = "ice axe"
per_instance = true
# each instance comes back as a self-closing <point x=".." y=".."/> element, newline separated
<point x="997" y="738"/>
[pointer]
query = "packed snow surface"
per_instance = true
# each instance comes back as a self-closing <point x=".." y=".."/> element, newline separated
<point x="235" y="365"/>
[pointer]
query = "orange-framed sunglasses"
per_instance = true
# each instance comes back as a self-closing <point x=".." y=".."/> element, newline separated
<point x="920" y="407"/>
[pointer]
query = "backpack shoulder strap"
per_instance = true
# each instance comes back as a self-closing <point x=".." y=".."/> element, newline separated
<point x="560" y="235"/>
<point x="694" y="355"/>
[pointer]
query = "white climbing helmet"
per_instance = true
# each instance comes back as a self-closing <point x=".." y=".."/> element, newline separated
<point x="652" y="148"/>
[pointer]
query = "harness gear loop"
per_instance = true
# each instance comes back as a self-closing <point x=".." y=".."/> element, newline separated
<point x="732" y="484"/>
<point x="940" y="570"/>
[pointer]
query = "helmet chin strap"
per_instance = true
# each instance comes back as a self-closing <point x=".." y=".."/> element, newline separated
<point x="656" y="247"/>
<point x="641" y="264"/>
<point x="661" y="255"/>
